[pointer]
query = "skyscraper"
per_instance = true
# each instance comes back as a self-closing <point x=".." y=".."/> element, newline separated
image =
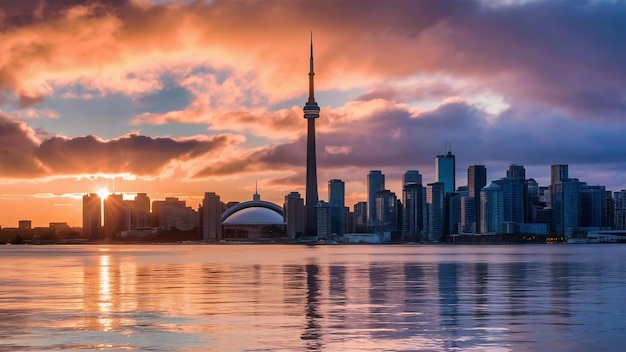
<point x="445" y="171"/>
<point x="491" y="209"/>
<point x="211" y="217"/>
<point x="558" y="173"/>
<point x="411" y="176"/>
<point x="336" y="201"/>
<point x="294" y="214"/>
<point x="435" y="207"/>
<point x="476" y="180"/>
<point x="375" y="184"/>
<point x="413" y="201"/>
<point x="92" y="215"/>
<point x="311" y="112"/>
<point x="115" y="214"/>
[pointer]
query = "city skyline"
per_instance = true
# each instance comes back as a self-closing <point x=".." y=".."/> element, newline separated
<point x="179" y="99"/>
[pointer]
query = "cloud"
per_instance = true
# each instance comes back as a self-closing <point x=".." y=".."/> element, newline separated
<point x="25" y="156"/>
<point x="395" y="138"/>
<point x="556" y="53"/>
<point x="17" y="146"/>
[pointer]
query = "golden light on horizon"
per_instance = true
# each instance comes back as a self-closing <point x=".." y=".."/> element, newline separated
<point x="103" y="193"/>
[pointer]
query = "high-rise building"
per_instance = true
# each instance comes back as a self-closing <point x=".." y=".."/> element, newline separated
<point x="92" y="216"/>
<point x="513" y="199"/>
<point x="445" y="171"/>
<point x="375" y="184"/>
<point x="212" y="209"/>
<point x="619" y="200"/>
<point x="435" y="207"/>
<point x="491" y="209"/>
<point x="295" y="214"/>
<point x="476" y="181"/>
<point x="386" y="212"/>
<point x="115" y="215"/>
<point x="175" y="214"/>
<point x="411" y="176"/>
<point x="311" y="113"/>
<point x="140" y="212"/>
<point x="593" y="206"/>
<point x="414" y="202"/>
<point x="558" y="173"/>
<point x="453" y="213"/>
<point x="516" y="172"/>
<point x="323" y="220"/>
<point x="336" y="202"/>
<point x="565" y="196"/>
<point x="349" y="221"/>
<point x="468" y="215"/>
<point x="360" y="217"/>
<point x="531" y="200"/>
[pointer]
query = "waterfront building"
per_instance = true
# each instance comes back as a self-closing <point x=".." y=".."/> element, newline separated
<point x="468" y="215"/>
<point x="140" y="212"/>
<point x="593" y="206"/>
<point x="531" y="200"/>
<point x="476" y="181"/>
<point x="336" y="202"/>
<point x="211" y="217"/>
<point x="323" y="220"/>
<point x="386" y="212"/>
<point x="173" y="213"/>
<point x="413" y="202"/>
<point x="360" y="216"/>
<point x="619" y="200"/>
<point x="295" y="215"/>
<point x="453" y="213"/>
<point x="349" y="221"/>
<point x="492" y="209"/>
<point x="435" y="208"/>
<point x="115" y="214"/>
<point x="311" y="113"/>
<point x="24" y="224"/>
<point x="92" y="216"/>
<point x="445" y="171"/>
<point x="513" y="199"/>
<point x="565" y="196"/>
<point x="375" y="184"/>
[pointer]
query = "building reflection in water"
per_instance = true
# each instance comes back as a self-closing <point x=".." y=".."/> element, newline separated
<point x="313" y="330"/>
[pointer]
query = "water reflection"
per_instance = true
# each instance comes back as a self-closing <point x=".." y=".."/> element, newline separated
<point x="104" y="294"/>
<point x="313" y="330"/>
<point x="360" y="298"/>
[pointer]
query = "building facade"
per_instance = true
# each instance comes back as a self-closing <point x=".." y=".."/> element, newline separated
<point x="336" y="202"/>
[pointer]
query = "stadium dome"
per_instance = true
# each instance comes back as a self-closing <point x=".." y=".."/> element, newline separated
<point x="253" y="220"/>
<point x="255" y="215"/>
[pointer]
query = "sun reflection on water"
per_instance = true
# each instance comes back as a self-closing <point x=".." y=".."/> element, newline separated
<point x="104" y="294"/>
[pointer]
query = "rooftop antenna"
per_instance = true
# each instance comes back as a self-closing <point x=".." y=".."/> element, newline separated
<point x="256" y="195"/>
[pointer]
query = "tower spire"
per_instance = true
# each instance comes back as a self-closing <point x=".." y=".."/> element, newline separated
<point x="311" y="74"/>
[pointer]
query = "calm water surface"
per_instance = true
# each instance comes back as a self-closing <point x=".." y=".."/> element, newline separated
<point x="323" y="298"/>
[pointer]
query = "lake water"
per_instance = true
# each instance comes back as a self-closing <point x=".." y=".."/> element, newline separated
<point x="322" y="298"/>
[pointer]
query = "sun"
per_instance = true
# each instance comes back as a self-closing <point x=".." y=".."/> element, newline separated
<point x="103" y="193"/>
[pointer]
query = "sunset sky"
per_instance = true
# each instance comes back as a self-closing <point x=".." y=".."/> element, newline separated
<point x="177" y="98"/>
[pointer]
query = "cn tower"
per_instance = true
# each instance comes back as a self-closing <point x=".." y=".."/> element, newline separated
<point x="311" y="112"/>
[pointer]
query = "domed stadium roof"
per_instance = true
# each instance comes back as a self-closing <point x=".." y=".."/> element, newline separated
<point x="254" y="215"/>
